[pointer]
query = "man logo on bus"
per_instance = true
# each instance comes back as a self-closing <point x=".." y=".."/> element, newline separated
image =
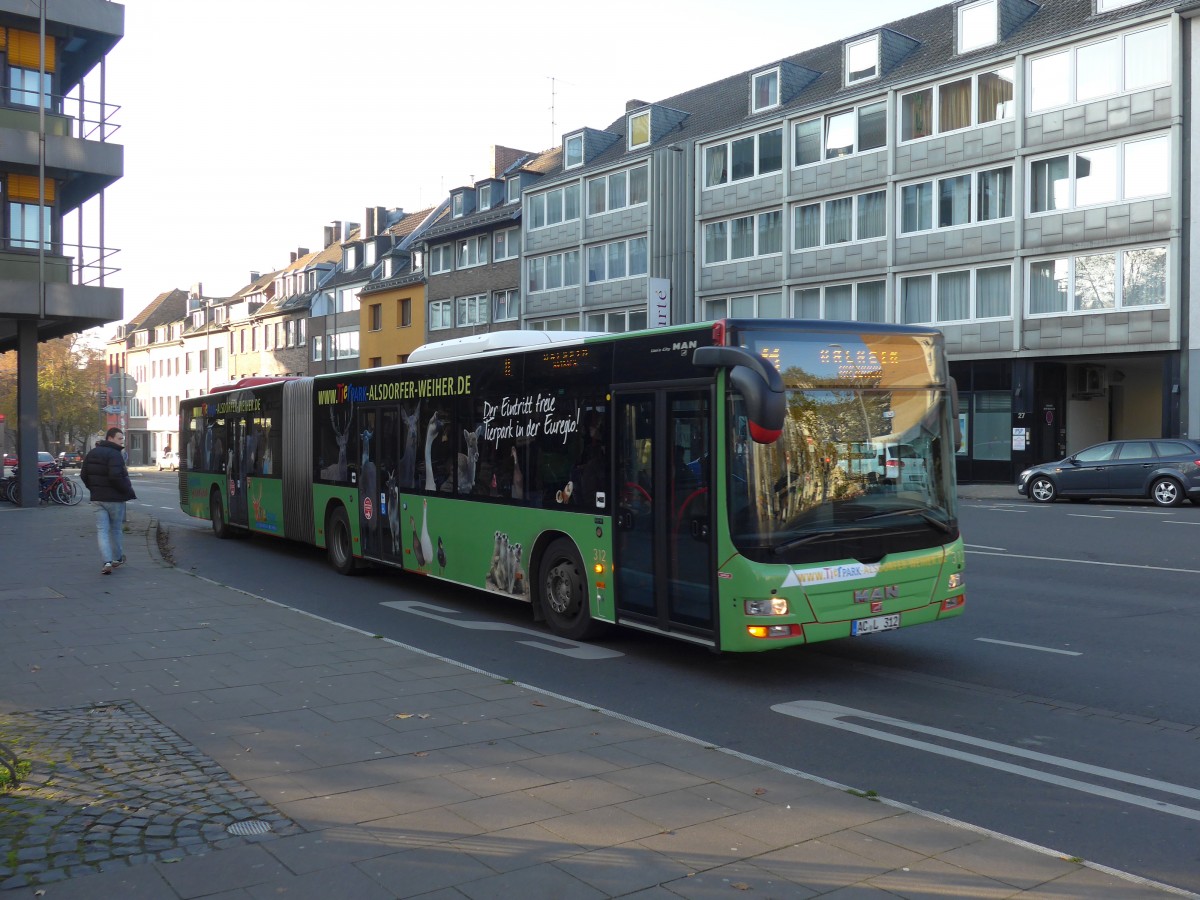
<point x="868" y="595"/>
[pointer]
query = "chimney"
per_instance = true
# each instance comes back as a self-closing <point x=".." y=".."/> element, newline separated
<point x="368" y="223"/>
<point x="301" y="252"/>
<point x="196" y="290"/>
<point x="330" y="235"/>
<point x="381" y="219"/>
<point x="292" y="257"/>
<point x="631" y="105"/>
<point x="254" y="276"/>
<point x="502" y="158"/>
<point x="348" y="227"/>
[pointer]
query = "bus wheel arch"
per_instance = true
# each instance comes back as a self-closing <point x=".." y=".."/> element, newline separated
<point x="561" y="592"/>
<point x="339" y="540"/>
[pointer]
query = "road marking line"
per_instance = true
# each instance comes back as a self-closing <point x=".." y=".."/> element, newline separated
<point x="1090" y="562"/>
<point x="1177" y="522"/>
<point x="1087" y="516"/>
<point x="985" y="547"/>
<point x="1029" y="647"/>
<point x="572" y="648"/>
<point x="832" y="715"/>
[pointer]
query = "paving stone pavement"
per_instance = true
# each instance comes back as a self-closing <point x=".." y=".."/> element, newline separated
<point x="173" y="706"/>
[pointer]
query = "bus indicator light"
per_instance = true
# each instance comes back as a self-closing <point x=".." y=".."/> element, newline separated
<point x="953" y="602"/>
<point x="775" y="631"/>
<point x="598" y="568"/>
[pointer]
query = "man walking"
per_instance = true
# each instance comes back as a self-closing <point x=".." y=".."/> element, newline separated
<point x="107" y="479"/>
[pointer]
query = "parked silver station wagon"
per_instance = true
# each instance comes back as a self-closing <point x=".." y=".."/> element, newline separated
<point x="1164" y="470"/>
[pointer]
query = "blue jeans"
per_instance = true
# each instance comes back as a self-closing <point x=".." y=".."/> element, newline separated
<point x="110" y="524"/>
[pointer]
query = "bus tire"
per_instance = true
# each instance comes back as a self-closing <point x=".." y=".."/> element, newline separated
<point x="216" y="513"/>
<point x="339" y="544"/>
<point x="563" y="593"/>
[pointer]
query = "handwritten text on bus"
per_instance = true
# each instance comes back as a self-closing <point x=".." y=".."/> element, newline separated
<point x="528" y="416"/>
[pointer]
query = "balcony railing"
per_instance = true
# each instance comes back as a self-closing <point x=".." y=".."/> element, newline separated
<point x="89" y="267"/>
<point x="66" y="116"/>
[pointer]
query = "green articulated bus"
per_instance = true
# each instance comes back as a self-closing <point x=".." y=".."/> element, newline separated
<point x="703" y="482"/>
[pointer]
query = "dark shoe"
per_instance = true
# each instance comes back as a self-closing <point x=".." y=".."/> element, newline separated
<point x="120" y="562"/>
<point x="107" y="570"/>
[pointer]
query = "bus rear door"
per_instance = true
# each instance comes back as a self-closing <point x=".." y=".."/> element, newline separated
<point x="663" y="541"/>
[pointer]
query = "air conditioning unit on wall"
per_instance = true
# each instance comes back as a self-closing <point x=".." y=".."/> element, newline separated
<point x="1090" y="381"/>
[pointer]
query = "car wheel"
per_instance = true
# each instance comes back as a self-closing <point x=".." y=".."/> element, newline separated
<point x="216" y="511"/>
<point x="339" y="542"/>
<point x="1042" y="490"/>
<point x="1166" y="492"/>
<point x="564" y="596"/>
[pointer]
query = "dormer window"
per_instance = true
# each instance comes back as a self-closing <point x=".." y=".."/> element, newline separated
<point x="977" y="25"/>
<point x="639" y="129"/>
<point x="862" y="60"/>
<point x="514" y="189"/>
<point x="457" y="206"/>
<point x="485" y="196"/>
<point x="572" y="151"/>
<point x="350" y="258"/>
<point x="765" y="92"/>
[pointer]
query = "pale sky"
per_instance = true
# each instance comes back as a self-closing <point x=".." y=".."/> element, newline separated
<point x="248" y="125"/>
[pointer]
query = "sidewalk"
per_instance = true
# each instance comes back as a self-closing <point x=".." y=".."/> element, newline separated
<point x="190" y="740"/>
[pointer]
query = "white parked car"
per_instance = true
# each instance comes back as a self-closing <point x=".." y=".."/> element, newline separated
<point x="167" y="460"/>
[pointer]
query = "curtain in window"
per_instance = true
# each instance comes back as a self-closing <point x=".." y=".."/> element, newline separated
<point x="637" y="256"/>
<point x="715" y="166"/>
<point x="714" y="309"/>
<point x="872" y="215"/>
<point x="954" y="201"/>
<point x="571" y="202"/>
<point x="1050" y="186"/>
<point x="553" y="272"/>
<point x="839" y="302"/>
<point x="616" y="260"/>
<point x="995" y="93"/>
<point x="743" y="158"/>
<point x="1048" y="286"/>
<point x="954" y="105"/>
<point x="770" y="151"/>
<point x="916" y="115"/>
<point x="570" y="267"/>
<point x="871" y="295"/>
<point x="595" y="264"/>
<point x="1145" y="277"/>
<point x="714" y="243"/>
<point x="808" y="142"/>
<point x="770" y="232"/>
<point x="953" y="296"/>
<point x="741" y="307"/>
<point x="1095" y="282"/>
<point x="807" y="226"/>
<point x="617" y="198"/>
<point x="916" y="207"/>
<point x="916" y="299"/>
<point x="1147" y="57"/>
<point x="993" y="290"/>
<point x="637" y="185"/>
<point x="872" y="126"/>
<point x="806" y="303"/>
<point x="995" y="194"/>
<point x="770" y="306"/>
<point x="839" y="222"/>
<point x="741" y="237"/>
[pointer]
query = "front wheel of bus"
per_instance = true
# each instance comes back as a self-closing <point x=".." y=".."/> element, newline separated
<point x="564" y="593"/>
<point x="338" y="542"/>
<point x="216" y="512"/>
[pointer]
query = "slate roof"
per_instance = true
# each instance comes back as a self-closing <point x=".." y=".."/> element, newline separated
<point x="169" y="306"/>
<point x="724" y="105"/>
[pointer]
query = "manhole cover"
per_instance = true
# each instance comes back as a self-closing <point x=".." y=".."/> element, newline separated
<point x="249" y="827"/>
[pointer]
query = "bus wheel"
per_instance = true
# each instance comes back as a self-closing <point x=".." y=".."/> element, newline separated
<point x="564" y="597"/>
<point x="338" y="542"/>
<point x="216" y="511"/>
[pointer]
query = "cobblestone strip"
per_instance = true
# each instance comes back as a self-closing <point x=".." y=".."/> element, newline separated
<point x="111" y="786"/>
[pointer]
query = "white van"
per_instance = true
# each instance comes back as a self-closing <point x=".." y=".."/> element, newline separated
<point x="903" y="466"/>
<point x="167" y="460"/>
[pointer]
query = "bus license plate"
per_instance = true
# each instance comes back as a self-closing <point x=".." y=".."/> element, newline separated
<point x="874" y="625"/>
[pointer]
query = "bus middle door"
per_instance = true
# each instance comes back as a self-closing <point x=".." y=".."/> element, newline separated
<point x="663" y="541"/>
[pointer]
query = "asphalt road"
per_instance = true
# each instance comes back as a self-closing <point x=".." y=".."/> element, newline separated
<point x="1060" y="709"/>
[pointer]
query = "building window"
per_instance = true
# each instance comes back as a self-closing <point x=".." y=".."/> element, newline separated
<point x="1097" y="175"/>
<point x="962" y="103"/>
<point x="405" y="317"/>
<point x="23" y="225"/>
<point x="616" y="190"/>
<point x="843" y="133"/>
<point x="485" y="196"/>
<point x="764" y="93"/>
<point x="457" y="205"/>
<point x="743" y="237"/>
<point x="559" y="323"/>
<point x="558" y="270"/>
<point x="507" y="244"/>
<point x="617" y="321"/>
<point x="472" y="310"/>
<point x="955" y="200"/>
<point x="24" y="86"/>
<point x="620" y="259"/>
<point x="860" y="302"/>
<point x="745" y="306"/>
<point x="552" y="207"/>
<point x="376" y="312"/>
<point x="1107" y="5"/>
<point x="1098" y="282"/>
<point x="441" y="259"/>
<point x="1119" y="64"/>
<point x="441" y="314"/>
<point x="639" y="129"/>
<point x="745" y="157"/>
<point x="857" y="218"/>
<point x="472" y="251"/>
<point x="506" y="305"/>
<point x="956" y="296"/>
<point x="976" y="25"/>
<point x="862" y="60"/>
<point x="572" y="151"/>
<point x="514" y="189"/>
<point x="375" y="362"/>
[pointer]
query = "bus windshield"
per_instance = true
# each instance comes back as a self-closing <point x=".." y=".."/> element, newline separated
<point x="867" y="468"/>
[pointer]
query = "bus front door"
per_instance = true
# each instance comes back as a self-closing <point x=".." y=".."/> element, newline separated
<point x="663" y="541"/>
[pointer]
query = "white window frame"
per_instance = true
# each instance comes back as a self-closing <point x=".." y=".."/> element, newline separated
<point x="485" y="196"/>
<point x="1118" y="281"/>
<point x="603" y="179"/>
<point x="1072" y="54"/>
<point x="713" y="308"/>
<point x="966" y="10"/>
<point x="849" y="50"/>
<point x="573" y="150"/>
<point x="629" y="128"/>
<point x="728" y="145"/>
<point x="513" y="190"/>
<point x="821" y="208"/>
<point x="775" y="74"/>
<point x="506" y="305"/>
<point x="756" y="230"/>
<point x="456" y="203"/>
<point x="603" y="248"/>
<point x="441" y="314"/>
<point x="856" y="312"/>
<point x="471" y="310"/>
<point x="936" y="129"/>
<point x="935" y="182"/>
<point x="541" y="200"/>
<point x="557" y="323"/>
<point x="617" y="321"/>
<point x="441" y="259"/>
<point x="471" y="252"/>
<point x="1072" y="162"/>
<point x="823" y="130"/>
<point x="536" y="263"/>
<point x="973" y="294"/>
<point x="506" y="244"/>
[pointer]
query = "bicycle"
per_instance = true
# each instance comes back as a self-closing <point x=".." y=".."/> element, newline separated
<point x="53" y="487"/>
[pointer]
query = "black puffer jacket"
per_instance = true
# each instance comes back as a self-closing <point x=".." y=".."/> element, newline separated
<point x="104" y="473"/>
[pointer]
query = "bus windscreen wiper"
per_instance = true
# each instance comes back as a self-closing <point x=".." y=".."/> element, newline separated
<point x="811" y="536"/>
<point x="914" y="511"/>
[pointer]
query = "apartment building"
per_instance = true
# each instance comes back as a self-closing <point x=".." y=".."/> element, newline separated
<point x="392" y="302"/>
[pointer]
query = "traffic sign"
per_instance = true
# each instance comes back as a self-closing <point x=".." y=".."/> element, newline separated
<point x="122" y="385"/>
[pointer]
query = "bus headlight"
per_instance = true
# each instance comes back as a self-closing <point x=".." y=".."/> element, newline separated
<point x="776" y="606"/>
<point x="955" y="581"/>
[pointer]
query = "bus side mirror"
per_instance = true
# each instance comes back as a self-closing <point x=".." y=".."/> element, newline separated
<point x="759" y="383"/>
